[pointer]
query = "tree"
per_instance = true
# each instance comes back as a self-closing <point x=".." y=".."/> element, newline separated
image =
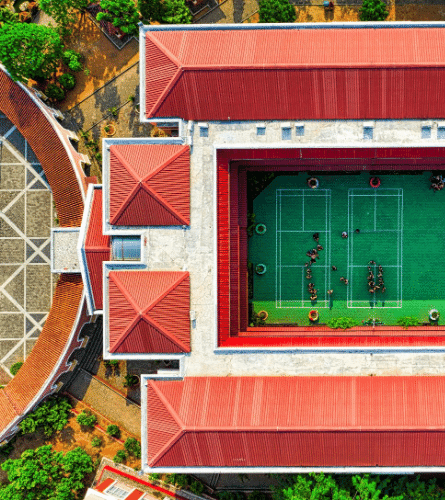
<point x="151" y="10"/>
<point x="51" y="416"/>
<point x="133" y="447"/>
<point x="277" y="11"/>
<point x="29" y="50"/>
<point x="43" y="474"/>
<point x="86" y="419"/>
<point x="114" y="431"/>
<point x="64" y="12"/>
<point x="373" y="10"/>
<point x="7" y="16"/>
<point x="120" y="13"/>
<point x="176" y="12"/>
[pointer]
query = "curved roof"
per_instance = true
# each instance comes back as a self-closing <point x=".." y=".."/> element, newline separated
<point x="289" y="421"/>
<point x="267" y="74"/>
<point x="149" y="311"/>
<point x="149" y="185"/>
<point x="50" y="142"/>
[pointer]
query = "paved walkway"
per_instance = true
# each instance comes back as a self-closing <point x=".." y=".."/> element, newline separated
<point x="26" y="217"/>
<point x="107" y="402"/>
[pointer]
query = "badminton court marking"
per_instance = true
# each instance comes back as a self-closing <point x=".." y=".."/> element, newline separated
<point x="378" y="214"/>
<point x="299" y="214"/>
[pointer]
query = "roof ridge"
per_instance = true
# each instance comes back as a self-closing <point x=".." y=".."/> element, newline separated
<point x="164" y="332"/>
<point x="165" y="204"/>
<point x="179" y="280"/>
<point x="169" y="160"/>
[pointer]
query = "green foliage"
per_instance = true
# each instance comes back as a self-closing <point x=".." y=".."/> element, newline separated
<point x="7" y="449"/>
<point x="96" y="442"/>
<point x="230" y="495"/>
<point x="277" y="11"/>
<point x="178" y="480"/>
<point x="73" y="60"/>
<point x="111" y="362"/>
<point x="7" y="16"/>
<point x="63" y="11"/>
<point x="133" y="447"/>
<point x="131" y="98"/>
<point x="16" y="367"/>
<point x="154" y="477"/>
<point x="364" y="487"/>
<point x="130" y="380"/>
<point x="43" y="474"/>
<point x="86" y="419"/>
<point x="196" y="487"/>
<point x="114" y="431"/>
<point x="176" y="12"/>
<point x="67" y="81"/>
<point x="407" y="321"/>
<point x="120" y="457"/>
<point x="373" y="10"/>
<point x="342" y="323"/>
<point x="256" y="495"/>
<point x="29" y="50"/>
<point x="113" y="111"/>
<point x="120" y="13"/>
<point x="54" y="92"/>
<point x="51" y="416"/>
<point x="151" y="10"/>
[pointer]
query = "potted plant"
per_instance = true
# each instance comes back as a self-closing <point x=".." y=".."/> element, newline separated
<point x="433" y="315"/>
<point x="313" y="315"/>
<point x="110" y="129"/>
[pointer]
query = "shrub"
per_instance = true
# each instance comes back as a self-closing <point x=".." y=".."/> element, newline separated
<point x="16" y="367"/>
<point x="111" y="362"/>
<point x="373" y="10"/>
<point x="86" y="419"/>
<point x="114" y="431"/>
<point x="196" y="487"/>
<point x="155" y="476"/>
<point x="133" y="447"/>
<point x="67" y="81"/>
<point x="73" y="60"/>
<point x="120" y="457"/>
<point x="180" y="480"/>
<point x="342" y="323"/>
<point x="55" y="92"/>
<point x="130" y="380"/>
<point x="407" y="321"/>
<point x="96" y="442"/>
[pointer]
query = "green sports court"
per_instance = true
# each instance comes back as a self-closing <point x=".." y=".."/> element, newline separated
<point x="398" y="226"/>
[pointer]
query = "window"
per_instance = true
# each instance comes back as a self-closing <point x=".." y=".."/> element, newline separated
<point x="426" y="132"/>
<point x="286" y="133"/>
<point x="299" y="130"/>
<point x="441" y="132"/>
<point x="368" y="133"/>
<point x="203" y="129"/>
<point x="126" y="248"/>
<point x="116" y="492"/>
<point x="261" y="131"/>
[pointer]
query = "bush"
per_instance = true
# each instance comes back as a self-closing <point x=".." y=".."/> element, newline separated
<point x="51" y="416"/>
<point x="67" y="81"/>
<point x="130" y="380"/>
<point x="180" y="480"/>
<point x="73" y="60"/>
<point x="114" y="431"/>
<point x="342" y="323"/>
<point x="120" y="457"/>
<point x="96" y="442"/>
<point x="16" y="367"/>
<point x="373" y="10"/>
<point x="111" y="362"/>
<point x="154" y="477"/>
<point x="133" y="447"/>
<point x="408" y="321"/>
<point x="196" y="487"/>
<point x="86" y="419"/>
<point x="55" y="92"/>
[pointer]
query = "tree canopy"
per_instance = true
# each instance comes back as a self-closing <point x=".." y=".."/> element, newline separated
<point x="29" y="50"/>
<point x="120" y="13"/>
<point x="51" y="416"/>
<point x="277" y="11"/>
<point x="373" y="10"/>
<point x="364" y="487"/>
<point x="176" y="12"/>
<point x="64" y="12"/>
<point x="151" y="10"/>
<point x="43" y="474"/>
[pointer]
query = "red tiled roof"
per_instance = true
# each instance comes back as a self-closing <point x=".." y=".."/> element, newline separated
<point x="135" y="495"/>
<point x="104" y="484"/>
<point x="265" y="74"/>
<point x="50" y="150"/>
<point x="149" y="311"/>
<point x="149" y="185"/>
<point x="97" y="248"/>
<point x="296" y="421"/>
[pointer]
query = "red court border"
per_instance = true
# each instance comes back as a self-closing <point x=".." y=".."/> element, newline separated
<point x="232" y="165"/>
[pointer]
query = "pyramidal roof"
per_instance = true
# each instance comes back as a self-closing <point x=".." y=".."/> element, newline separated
<point x="149" y="185"/>
<point x="149" y="312"/>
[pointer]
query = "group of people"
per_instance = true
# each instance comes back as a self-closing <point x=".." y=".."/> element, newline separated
<point x="372" y="287"/>
<point x="437" y="183"/>
<point x="313" y="255"/>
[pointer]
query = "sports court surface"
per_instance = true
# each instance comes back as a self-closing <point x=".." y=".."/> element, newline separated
<point x="398" y="226"/>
